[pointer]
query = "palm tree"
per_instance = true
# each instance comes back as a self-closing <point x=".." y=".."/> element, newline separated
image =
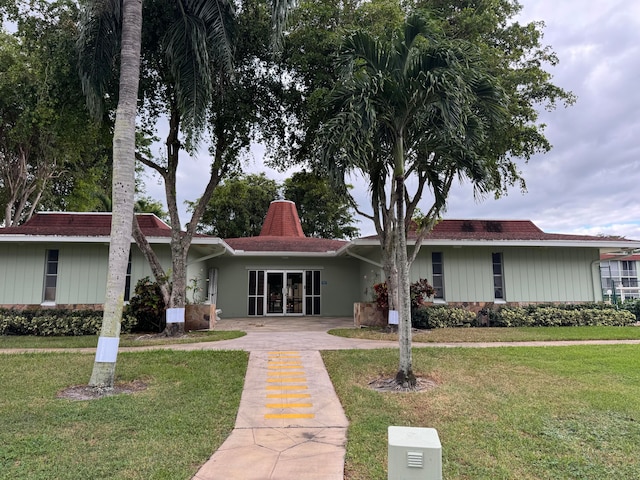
<point x="409" y="106"/>
<point x="123" y="186"/>
<point x="198" y="40"/>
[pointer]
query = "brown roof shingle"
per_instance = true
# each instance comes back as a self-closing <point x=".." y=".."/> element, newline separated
<point x="282" y="220"/>
<point x="74" y="224"/>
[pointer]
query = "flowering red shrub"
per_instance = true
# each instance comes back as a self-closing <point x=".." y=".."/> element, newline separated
<point x="419" y="292"/>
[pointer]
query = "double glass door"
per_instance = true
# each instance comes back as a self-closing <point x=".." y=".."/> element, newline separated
<point x="284" y="293"/>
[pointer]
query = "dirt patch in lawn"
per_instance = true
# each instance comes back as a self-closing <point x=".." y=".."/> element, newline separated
<point x="389" y="384"/>
<point x="85" y="392"/>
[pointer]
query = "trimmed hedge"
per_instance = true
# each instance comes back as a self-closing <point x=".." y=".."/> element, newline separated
<point x="632" y="306"/>
<point x="50" y="322"/>
<point x="442" y="317"/>
<point x="591" y="314"/>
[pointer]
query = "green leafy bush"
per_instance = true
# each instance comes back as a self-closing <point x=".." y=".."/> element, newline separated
<point x="55" y="322"/>
<point x="632" y="306"/>
<point x="542" y="315"/>
<point x="442" y="317"/>
<point x="147" y="306"/>
<point x="560" y="316"/>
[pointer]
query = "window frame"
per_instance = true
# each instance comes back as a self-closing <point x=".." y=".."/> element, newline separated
<point x="50" y="277"/>
<point x="437" y="279"/>
<point x="498" y="277"/>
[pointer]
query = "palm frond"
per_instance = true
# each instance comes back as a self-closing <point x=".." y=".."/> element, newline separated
<point x="196" y="44"/>
<point x="98" y="48"/>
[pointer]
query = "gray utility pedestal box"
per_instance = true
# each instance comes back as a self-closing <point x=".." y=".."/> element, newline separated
<point x="415" y="453"/>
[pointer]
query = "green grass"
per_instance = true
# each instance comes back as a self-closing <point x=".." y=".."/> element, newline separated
<point x="501" y="413"/>
<point x="166" y="431"/>
<point x="511" y="334"/>
<point x="129" y="340"/>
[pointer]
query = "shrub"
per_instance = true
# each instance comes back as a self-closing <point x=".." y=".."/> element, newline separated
<point x="442" y="317"/>
<point x="588" y="314"/>
<point x="418" y="292"/>
<point x="632" y="306"/>
<point x="58" y="322"/>
<point x="147" y="306"/>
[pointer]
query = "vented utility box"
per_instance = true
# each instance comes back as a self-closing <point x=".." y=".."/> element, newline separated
<point x="415" y="453"/>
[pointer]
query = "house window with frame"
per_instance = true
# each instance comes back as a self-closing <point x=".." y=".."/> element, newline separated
<point x="498" y="276"/>
<point x="50" y="276"/>
<point x="127" y="282"/>
<point x="437" y="275"/>
<point x="256" y="293"/>
<point x="312" y="292"/>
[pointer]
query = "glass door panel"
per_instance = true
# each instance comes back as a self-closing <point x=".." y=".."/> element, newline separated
<point x="294" y="293"/>
<point x="275" y="287"/>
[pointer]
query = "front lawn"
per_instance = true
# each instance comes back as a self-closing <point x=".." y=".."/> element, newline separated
<point x="127" y="340"/>
<point x="165" y="431"/>
<point x="501" y="413"/>
<point x="510" y="334"/>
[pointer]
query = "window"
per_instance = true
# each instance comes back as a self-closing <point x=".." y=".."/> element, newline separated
<point x="312" y="292"/>
<point x="437" y="272"/>
<point x="256" y="292"/>
<point x="498" y="276"/>
<point x="619" y="273"/>
<point x="50" y="276"/>
<point x="127" y="281"/>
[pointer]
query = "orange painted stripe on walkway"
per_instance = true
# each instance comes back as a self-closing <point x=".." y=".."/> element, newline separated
<point x="289" y="415"/>
<point x="288" y="380"/>
<point x="288" y="395"/>
<point x="289" y="405"/>
<point x="287" y="387"/>
<point x="286" y="367"/>
<point x="286" y="374"/>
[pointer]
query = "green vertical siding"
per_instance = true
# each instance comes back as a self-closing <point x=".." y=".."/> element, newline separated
<point x="530" y="274"/>
<point x="550" y="274"/>
<point x="82" y="272"/>
<point x="21" y="273"/>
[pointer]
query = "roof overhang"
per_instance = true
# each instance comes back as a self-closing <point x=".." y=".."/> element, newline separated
<point x="244" y="253"/>
<point x="21" y="238"/>
<point x="613" y="245"/>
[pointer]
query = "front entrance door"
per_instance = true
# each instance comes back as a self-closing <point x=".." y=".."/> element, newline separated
<point x="285" y="293"/>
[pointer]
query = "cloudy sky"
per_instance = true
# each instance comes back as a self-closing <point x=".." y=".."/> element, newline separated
<point x="589" y="183"/>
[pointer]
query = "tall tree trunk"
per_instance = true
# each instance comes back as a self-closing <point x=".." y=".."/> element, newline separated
<point x="405" y="375"/>
<point x="123" y="194"/>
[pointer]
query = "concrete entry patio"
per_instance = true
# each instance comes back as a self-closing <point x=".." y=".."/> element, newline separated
<point x="284" y="324"/>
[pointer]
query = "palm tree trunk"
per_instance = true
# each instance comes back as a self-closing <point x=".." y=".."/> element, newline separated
<point x="405" y="373"/>
<point x="123" y="195"/>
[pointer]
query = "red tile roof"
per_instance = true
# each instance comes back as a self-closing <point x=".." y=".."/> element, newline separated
<point x="90" y="224"/>
<point x="498" y="230"/>
<point x="282" y="232"/>
<point x="608" y="256"/>
<point x="282" y="220"/>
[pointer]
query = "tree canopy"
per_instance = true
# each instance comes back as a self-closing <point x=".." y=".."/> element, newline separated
<point x="239" y="205"/>
<point x="52" y="155"/>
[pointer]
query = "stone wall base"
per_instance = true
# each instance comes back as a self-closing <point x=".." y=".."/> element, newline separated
<point x="368" y="315"/>
<point x="199" y="317"/>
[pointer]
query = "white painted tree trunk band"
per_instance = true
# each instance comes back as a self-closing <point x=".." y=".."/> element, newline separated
<point x="393" y="317"/>
<point x="175" y="315"/>
<point x="107" y="351"/>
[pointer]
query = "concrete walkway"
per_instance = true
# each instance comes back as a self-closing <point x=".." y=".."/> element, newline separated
<point x="290" y="424"/>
